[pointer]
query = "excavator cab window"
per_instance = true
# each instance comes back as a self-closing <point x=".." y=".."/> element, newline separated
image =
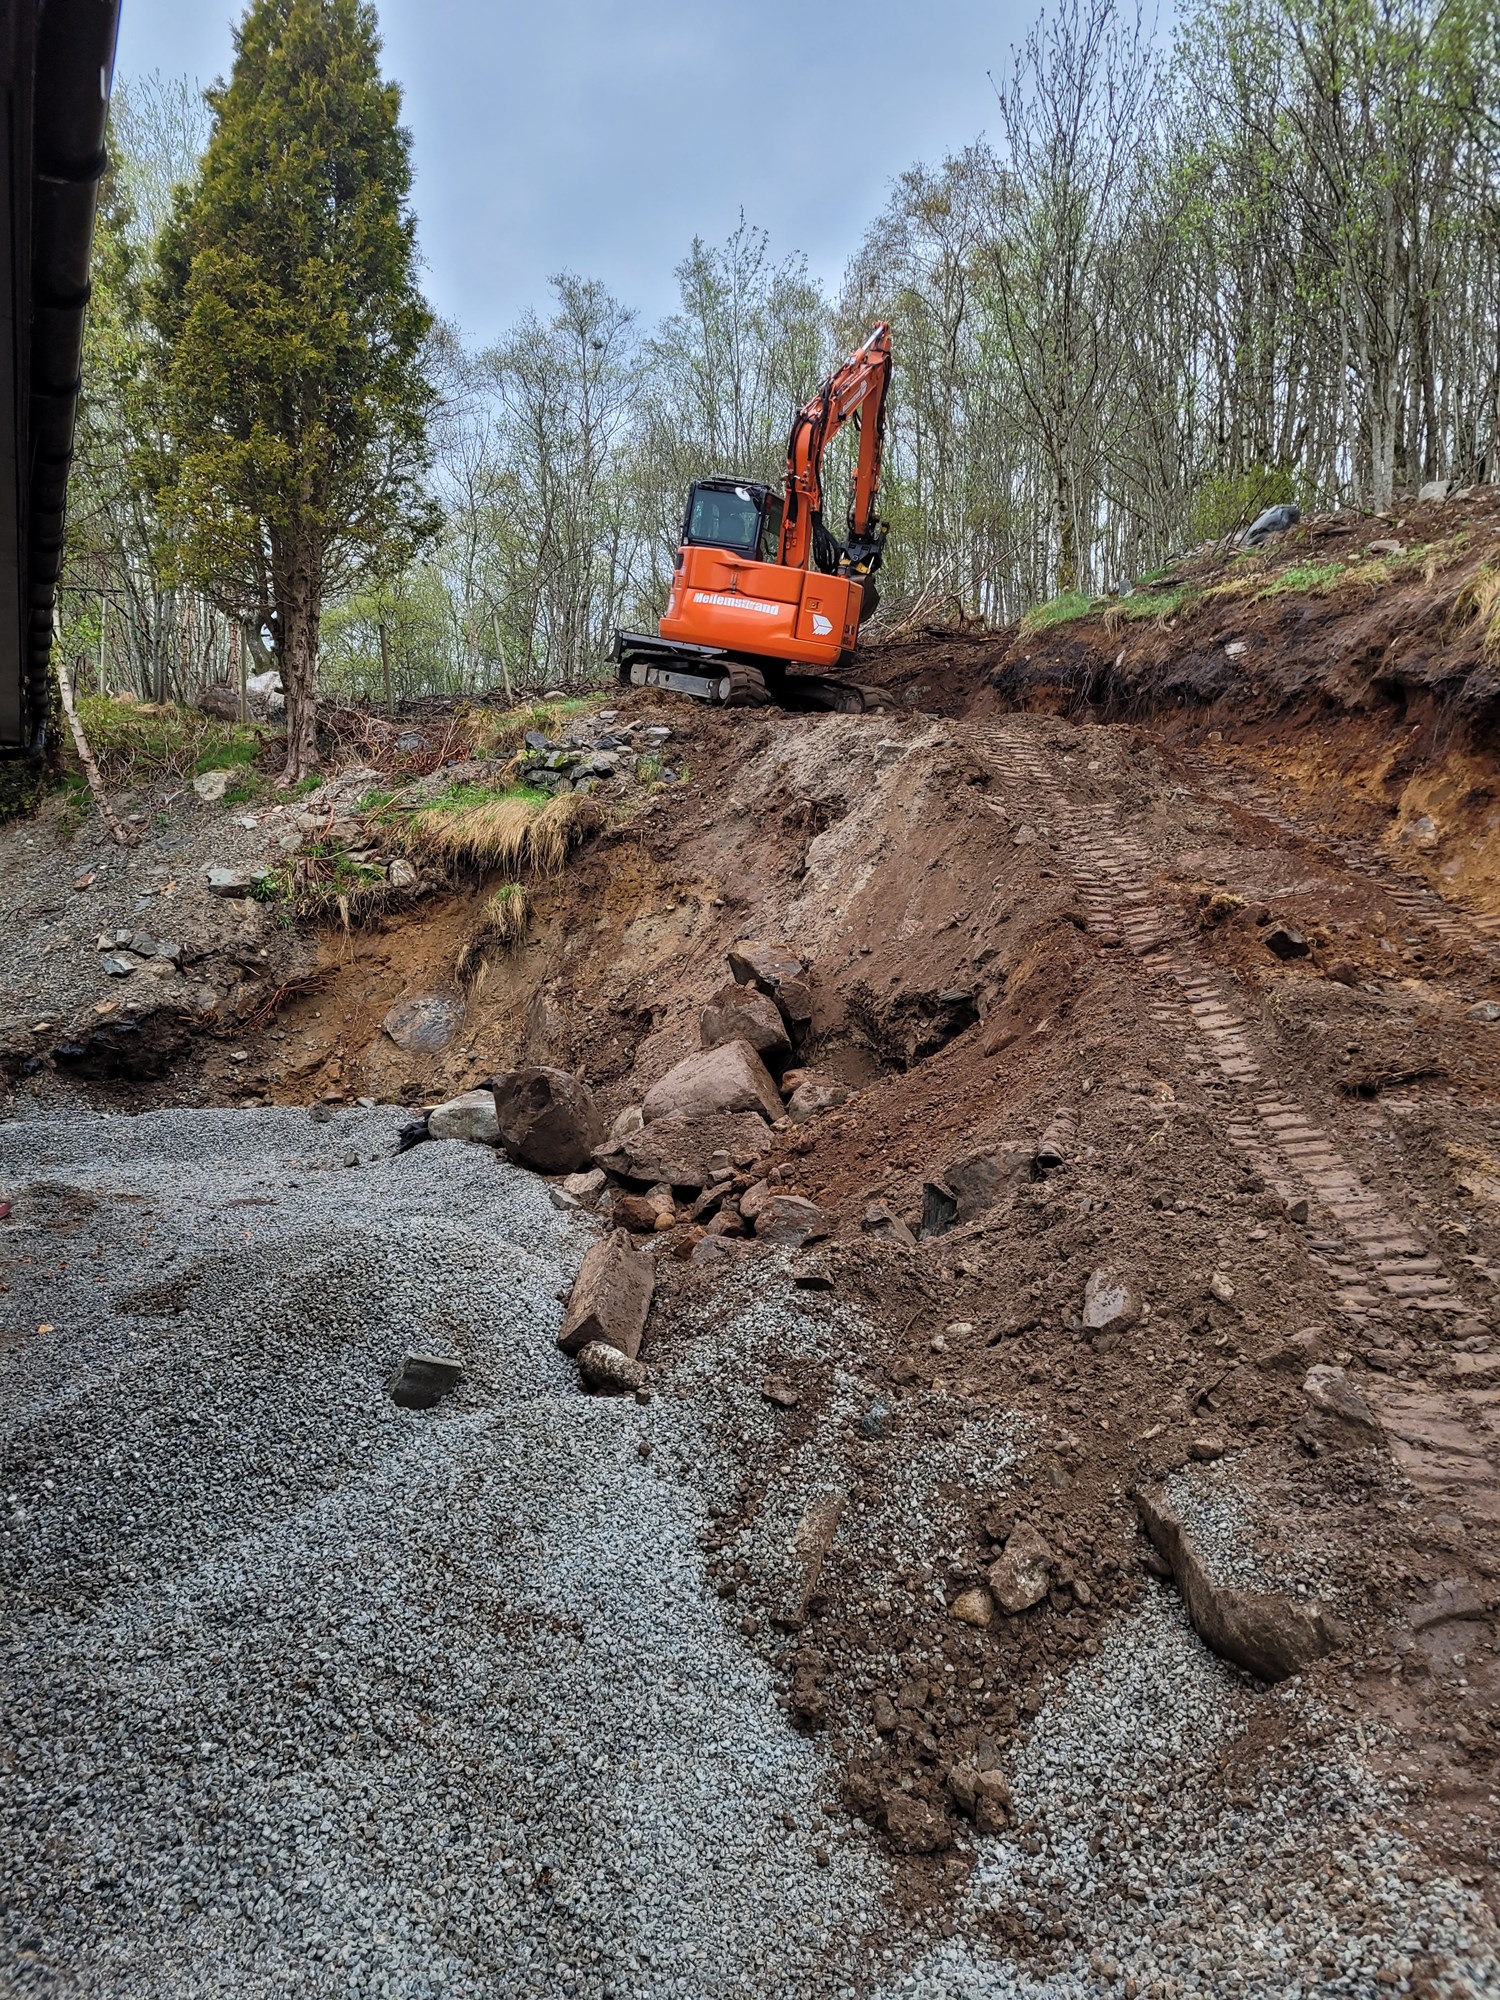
<point x="770" y="529"/>
<point x="732" y="515"/>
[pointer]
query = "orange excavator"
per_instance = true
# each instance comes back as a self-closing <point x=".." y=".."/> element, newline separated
<point x="762" y="589"/>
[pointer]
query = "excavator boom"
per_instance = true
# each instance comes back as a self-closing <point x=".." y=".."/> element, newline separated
<point x="761" y="586"/>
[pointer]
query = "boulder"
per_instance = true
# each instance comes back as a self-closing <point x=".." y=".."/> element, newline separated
<point x="680" y="1151"/>
<point x="813" y="1097"/>
<point x="790" y="1219"/>
<point x="745" y="1014"/>
<point x="712" y="1083"/>
<point x="470" y="1116"/>
<point x="212" y="785"/>
<point x="1021" y="1573"/>
<point x="1284" y="942"/>
<point x="1435" y="489"/>
<point x="766" y="965"/>
<point x="1267" y="1632"/>
<point x="1274" y="521"/>
<point x="974" y="1185"/>
<point x="794" y="1000"/>
<point x="401" y="874"/>
<point x="610" y="1299"/>
<point x="547" y="1120"/>
<point x="425" y="1024"/>
<point x="609" y="1372"/>
<point x="628" y="1120"/>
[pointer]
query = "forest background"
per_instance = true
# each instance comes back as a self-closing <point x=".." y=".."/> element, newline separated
<point x="1184" y="278"/>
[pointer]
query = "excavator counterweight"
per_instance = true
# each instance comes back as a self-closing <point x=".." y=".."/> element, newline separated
<point x="763" y="593"/>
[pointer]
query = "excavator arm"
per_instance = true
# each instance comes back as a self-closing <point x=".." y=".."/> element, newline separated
<point x="858" y="390"/>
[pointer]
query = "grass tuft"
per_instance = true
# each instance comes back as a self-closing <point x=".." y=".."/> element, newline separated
<point x="514" y="830"/>
<point x="322" y="883"/>
<point x="499" y="732"/>
<point x="503" y="923"/>
<point x="1059" y="610"/>
<point x="1478" y="603"/>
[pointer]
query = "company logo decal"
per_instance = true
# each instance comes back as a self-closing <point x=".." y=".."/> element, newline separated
<point x="821" y="625"/>
<point x="736" y="603"/>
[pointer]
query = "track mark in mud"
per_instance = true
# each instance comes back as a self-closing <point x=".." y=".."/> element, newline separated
<point x="1460" y="930"/>
<point x="1383" y="1257"/>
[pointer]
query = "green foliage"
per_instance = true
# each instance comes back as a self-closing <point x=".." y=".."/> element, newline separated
<point x="1155" y="603"/>
<point x="1231" y="501"/>
<point x="290" y="326"/>
<point x="133" y="741"/>
<point x="1060" y="610"/>
<point x="322" y="883"/>
<point x="463" y="798"/>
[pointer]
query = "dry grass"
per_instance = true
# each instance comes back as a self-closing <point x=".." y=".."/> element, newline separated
<point x="503" y="924"/>
<point x="515" y="831"/>
<point x="1478" y="603"/>
<point x="492" y="732"/>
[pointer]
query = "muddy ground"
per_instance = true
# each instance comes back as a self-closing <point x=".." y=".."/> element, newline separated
<point x="1225" y="928"/>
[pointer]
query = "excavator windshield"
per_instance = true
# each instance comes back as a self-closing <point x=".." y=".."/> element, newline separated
<point x="726" y="517"/>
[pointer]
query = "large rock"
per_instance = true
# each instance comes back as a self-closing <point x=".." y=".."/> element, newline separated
<point x="425" y="1024"/>
<point x="1019" y="1576"/>
<point x="745" y="1014"/>
<point x="713" y="1083"/>
<point x="815" y="1095"/>
<point x="471" y="1117"/>
<point x="1267" y="1632"/>
<point x="610" y="1299"/>
<point x="790" y="1219"/>
<point x="212" y="785"/>
<point x="547" y="1120"/>
<point x="764" y="964"/>
<point x="681" y="1151"/>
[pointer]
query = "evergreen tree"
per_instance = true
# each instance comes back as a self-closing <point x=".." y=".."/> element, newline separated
<point x="291" y="326"/>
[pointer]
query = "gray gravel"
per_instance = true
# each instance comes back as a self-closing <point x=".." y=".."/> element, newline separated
<point x="1157" y="1874"/>
<point x="305" y="1694"/>
<point x="310" y="1694"/>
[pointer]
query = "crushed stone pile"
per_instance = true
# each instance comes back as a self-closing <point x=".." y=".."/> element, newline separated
<point x="308" y="1693"/>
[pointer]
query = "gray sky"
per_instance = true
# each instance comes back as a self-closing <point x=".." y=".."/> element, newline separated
<point x="602" y="137"/>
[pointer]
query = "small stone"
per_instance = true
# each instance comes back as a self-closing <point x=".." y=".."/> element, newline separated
<point x="401" y="874"/>
<point x="881" y="1221"/>
<point x="876" y="1421"/>
<point x="212" y="785"/>
<point x="1020" y="1575"/>
<point x="776" y="1389"/>
<point x="813" y="1097"/>
<point x="1109" y="1300"/>
<point x="605" y="1369"/>
<point x="1435" y="489"/>
<point x="581" y="1186"/>
<point x="974" y="1607"/>
<point x="1207" y="1446"/>
<point x="1221" y="1288"/>
<point x="119" y="968"/>
<point x="1484" y="1010"/>
<point x="422" y="1379"/>
<point x="235" y="881"/>
<point x="1298" y="1211"/>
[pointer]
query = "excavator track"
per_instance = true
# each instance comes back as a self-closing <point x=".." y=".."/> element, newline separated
<point x="730" y="681"/>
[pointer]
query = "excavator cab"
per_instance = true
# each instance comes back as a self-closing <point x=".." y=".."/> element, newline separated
<point x="736" y="515"/>
<point x="762" y="589"/>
